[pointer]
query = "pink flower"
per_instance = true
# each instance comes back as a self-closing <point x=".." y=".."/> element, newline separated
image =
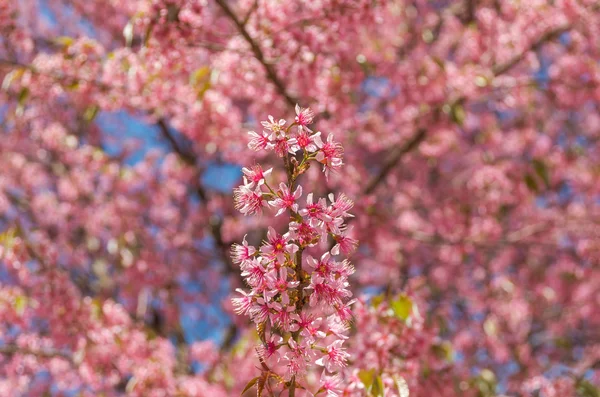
<point x="273" y="273"/>
<point x="304" y="116"/>
<point x="341" y="206"/>
<point x="344" y="243"/>
<point x="335" y="358"/>
<point x="256" y="175"/>
<point x="271" y="348"/>
<point x="344" y="312"/>
<point x="241" y="253"/>
<point x="296" y="358"/>
<point x="278" y="283"/>
<point x="277" y="246"/>
<point x="307" y="142"/>
<point x="259" y="313"/>
<point x="275" y="127"/>
<point x="259" y="142"/>
<point x="255" y="273"/>
<point x="323" y="267"/>
<point x="286" y="145"/>
<point x="309" y="326"/>
<point x="243" y="305"/>
<point x="316" y="212"/>
<point x="247" y="200"/>
<point x="286" y="199"/>
<point x="330" y="385"/>
<point x="330" y="155"/>
<point x="282" y="317"/>
<point x="329" y="292"/>
<point x="304" y="233"/>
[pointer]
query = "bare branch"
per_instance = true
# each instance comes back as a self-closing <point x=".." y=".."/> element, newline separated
<point x="258" y="54"/>
<point x="550" y="35"/>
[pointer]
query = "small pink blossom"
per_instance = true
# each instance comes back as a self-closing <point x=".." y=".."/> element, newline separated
<point x="255" y="273"/>
<point x="335" y="357"/>
<point x="243" y="304"/>
<point x="315" y="212"/>
<point x="276" y="127"/>
<point x="304" y="233"/>
<point x="330" y="155"/>
<point x="247" y="200"/>
<point x="256" y="175"/>
<point x="344" y="242"/>
<point x="243" y="252"/>
<point x="286" y="199"/>
<point x="341" y="206"/>
<point x="278" y="283"/>
<point x="304" y="116"/>
<point x="270" y="349"/>
<point x="330" y="385"/>
<point x="260" y="142"/>
<point x="285" y="145"/>
<point x="306" y="141"/>
<point x="278" y="246"/>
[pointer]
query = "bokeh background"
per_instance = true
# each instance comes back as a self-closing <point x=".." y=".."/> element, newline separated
<point x="471" y="131"/>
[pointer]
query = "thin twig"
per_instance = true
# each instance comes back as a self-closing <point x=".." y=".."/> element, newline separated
<point x="258" y="54"/>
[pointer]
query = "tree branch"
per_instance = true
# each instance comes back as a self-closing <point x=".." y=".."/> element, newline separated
<point x="11" y="349"/>
<point x="421" y="133"/>
<point x="550" y="35"/>
<point x="395" y="157"/>
<point x="258" y="54"/>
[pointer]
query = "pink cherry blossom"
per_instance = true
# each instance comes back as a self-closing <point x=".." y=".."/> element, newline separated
<point x="304" y="116"/>
<point x="286" y="199"/>
<point x="248" y="201"/>
<point x="256" y="175"/>
<point x="334" y="358"/>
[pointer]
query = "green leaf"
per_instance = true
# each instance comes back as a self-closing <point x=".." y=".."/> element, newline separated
<point x="586" y="389"/>
<point x="402" y="307"/>
<point x="377" y="300"/>
<point x="64" y="41"/>
<point x="7" y="239"/>
<point x="250" y="384"/>
<point x="200" y="80"/>
<point x="542" y="170"/>
<point x="443" y="350"/>
<point x="23" y="95"/>
<point x="458" y="114"/>
<point x="531" y="183"/>
<point x="20" y="304"/>
<point x="10" y="77"/>
<point x="367" y="377"/>
<point x="90" y="113"/>
<point x="378" y="389"/>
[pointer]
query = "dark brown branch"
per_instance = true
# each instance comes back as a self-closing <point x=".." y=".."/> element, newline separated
<point x="395" y="157"/>
<point x="250" y="12"/>
<point x="550" y="35"/>
<point x="421" y="133"/>
<point x="11" y="349"/>
<point x="186" y="156"/>
<point x="258" y="54"/>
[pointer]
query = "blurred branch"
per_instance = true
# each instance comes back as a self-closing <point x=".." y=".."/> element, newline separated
<point x="394" y="158"/>
<point x="250" y="12"/>
<point x="420" y="135"/>
<point x="215" y="223"/>
<point x="550" y="35"/>
<point x="64" y="78"/>
<point x="11" y="349"/>
<point x="258" y="54"/>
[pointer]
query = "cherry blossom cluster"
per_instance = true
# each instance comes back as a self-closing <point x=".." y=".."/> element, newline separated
<point x="299" y="304"/>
